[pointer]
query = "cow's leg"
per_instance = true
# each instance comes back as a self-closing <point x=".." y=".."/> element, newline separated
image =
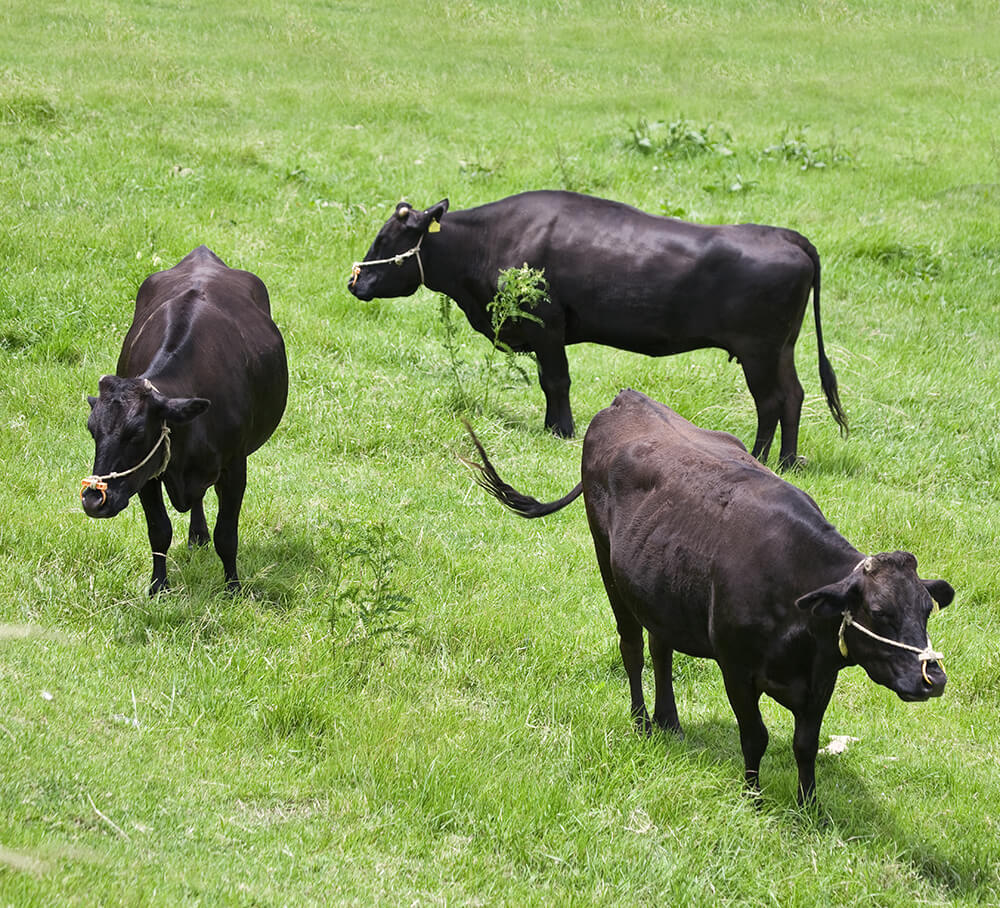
<point x="665" y="706"/>
<point x="791" y="408"/>
<point x="630" y="645"/>
<point x="745" y="701"/>
<point x="198" y="533"/>
<point x="230" y="487"/>
<point x="553" y="376"/>
<point x="762" y="380"/>
<point x="160" y="532"/>
<point x="805" y="740"/>
<point x="805" y="744"/>
<point x="629" y="641"/>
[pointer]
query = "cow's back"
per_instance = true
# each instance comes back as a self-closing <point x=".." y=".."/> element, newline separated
<point x="204" y="330"/>
<point x="689" y="521"/>
<point x="643" y="282"/>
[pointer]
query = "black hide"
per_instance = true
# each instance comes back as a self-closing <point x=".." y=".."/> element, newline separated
<point x="713" y="555"/>
<point x="204" y="359"/>
<point x="620" y="277"/>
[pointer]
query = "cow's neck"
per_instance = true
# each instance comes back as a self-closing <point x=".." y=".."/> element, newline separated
<point x="456" y="263"/>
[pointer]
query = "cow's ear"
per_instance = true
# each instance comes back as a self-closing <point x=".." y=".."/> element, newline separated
<point x="436" y="212"/>
<point x="941" y="591"/>
<point x="175" y="411"/>
<point x="92" y="401"/>
<point x="835" y="599"/>
<point x="421" y="220"/>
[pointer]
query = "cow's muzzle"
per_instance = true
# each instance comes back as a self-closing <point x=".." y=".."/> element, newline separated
<point x="93" y="484"/>
<point x="96" y="501"/>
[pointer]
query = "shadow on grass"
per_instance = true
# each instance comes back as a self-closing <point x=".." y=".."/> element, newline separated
<point x="958" y="866"/>
<point x="847" y="809"/>
<point x="198" y="606"/>
<point x="277" y="569"/>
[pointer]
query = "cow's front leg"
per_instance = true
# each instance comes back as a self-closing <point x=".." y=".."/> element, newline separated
<point x="553" y="376"/>
<point x="230" y="487"/>
<point x="805" y="744"/>
<point x="745" y="701"/>
<point x="805" y="740"/>
<point x="198" y="533"/>
<point x="159" y="530"/>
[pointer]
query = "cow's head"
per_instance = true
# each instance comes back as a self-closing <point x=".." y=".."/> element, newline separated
<point x="884" y="596"/>
<point x="392" y="267"/>
<point x="127" y="420"/>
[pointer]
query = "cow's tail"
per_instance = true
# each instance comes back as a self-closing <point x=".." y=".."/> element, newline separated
<point x="827" y="377"/>
<point x="525" y="505"/>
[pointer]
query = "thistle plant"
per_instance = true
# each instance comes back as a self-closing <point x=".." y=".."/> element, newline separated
<point x="520" y="293"/>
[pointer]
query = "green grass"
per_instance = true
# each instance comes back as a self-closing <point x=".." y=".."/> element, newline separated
<point x="419" y="697"/>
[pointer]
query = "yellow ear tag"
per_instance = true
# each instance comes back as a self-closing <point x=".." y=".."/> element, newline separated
<point x="435" y="227"/>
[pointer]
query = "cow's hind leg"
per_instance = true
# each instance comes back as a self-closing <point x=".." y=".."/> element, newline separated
<point x="762" y="380"/>
<point x="159" y="530"/>
<point x="230" y="487"/>
<point x="791" y="408"/>
<point x="630" y="641"/>
<point x="198" y="533"/>
<point x="553" y="376"/>
<point x="745" y="701"/>
<point x="665" y="706"/>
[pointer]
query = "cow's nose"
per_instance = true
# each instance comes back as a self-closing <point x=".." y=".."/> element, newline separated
<point x="934" y="678"/>
<point x="93" y="501"/>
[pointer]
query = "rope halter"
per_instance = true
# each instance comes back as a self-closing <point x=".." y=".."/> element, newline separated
<point x="100" y="483"/>
<point x="395" y="260"/>
<point x="925" y="655"/>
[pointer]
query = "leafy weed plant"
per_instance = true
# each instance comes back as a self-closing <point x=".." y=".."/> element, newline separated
<point x="793" y="148"/>
<point x="366" y="603"/>
<point x="678" y="139"/>
<point x="520" y="293"/>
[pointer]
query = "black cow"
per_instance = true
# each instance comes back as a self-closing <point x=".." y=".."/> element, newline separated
<point x="715" y="556"/>
<point x="201" y="340"/>
<point x="621" y="277"/>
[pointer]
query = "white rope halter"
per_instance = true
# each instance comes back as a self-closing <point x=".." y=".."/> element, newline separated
<point x="395" y="260"/>
<point x="100" y="483"/>
<point x="925" y="655"/>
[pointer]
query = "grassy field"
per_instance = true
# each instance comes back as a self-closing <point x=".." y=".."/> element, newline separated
<point x="419" y="698"/>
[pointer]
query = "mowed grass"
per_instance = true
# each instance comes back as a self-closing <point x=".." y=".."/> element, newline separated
<point x="418" y="699"/>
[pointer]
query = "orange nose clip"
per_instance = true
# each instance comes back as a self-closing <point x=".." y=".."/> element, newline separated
<point x="94" y="482"/>
<point x="355" y="272"/>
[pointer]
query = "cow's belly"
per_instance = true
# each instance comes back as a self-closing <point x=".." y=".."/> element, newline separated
<point x="649" y="329"/>
<point x="675" y="609"/>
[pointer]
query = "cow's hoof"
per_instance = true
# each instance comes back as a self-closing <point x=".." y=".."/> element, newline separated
<point x="674" y="728"/>
<point x="159" y="586"/>
<point x="643" y="724"/>
<point x="792" y="464"/>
